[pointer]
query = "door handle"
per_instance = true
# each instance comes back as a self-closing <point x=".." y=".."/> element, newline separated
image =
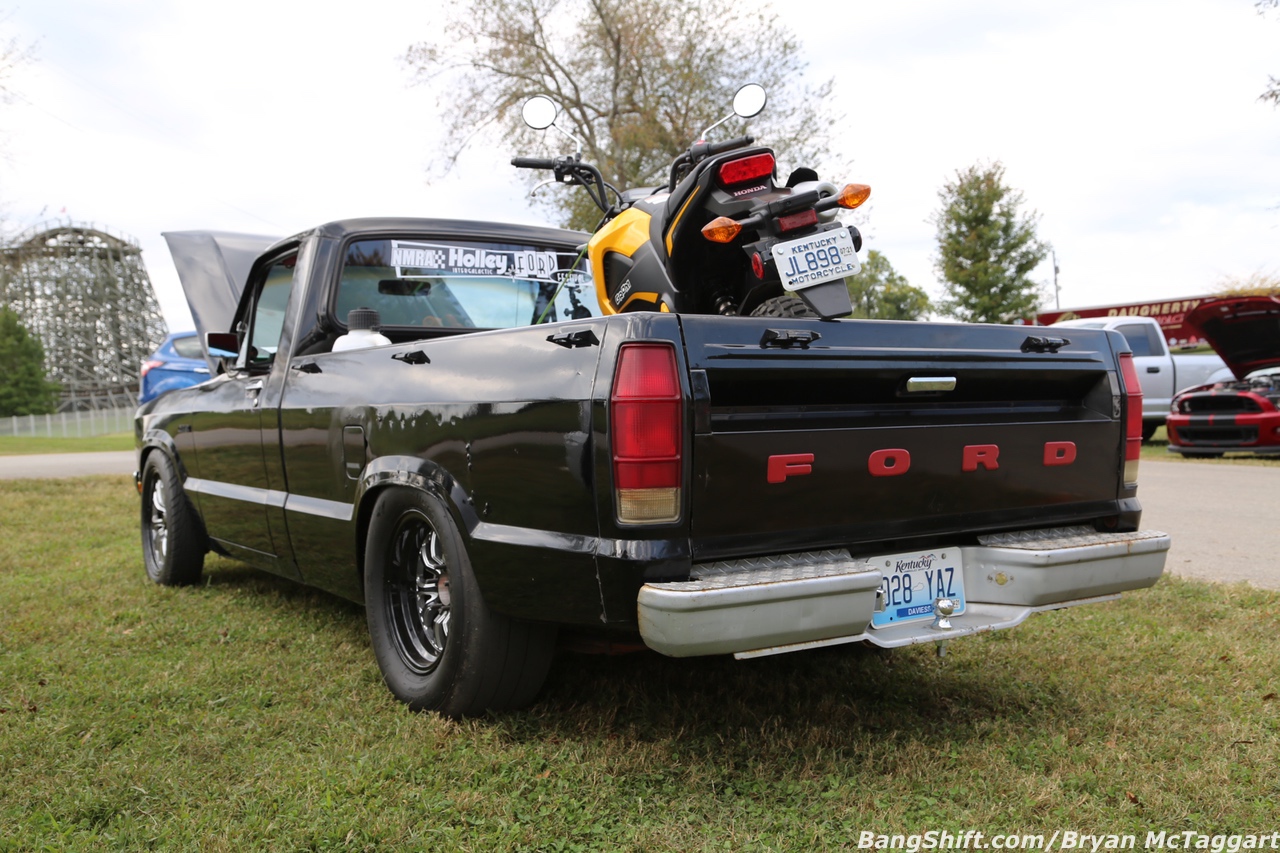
<point x="253" y="387"/>
<point x="1153" y="370"/>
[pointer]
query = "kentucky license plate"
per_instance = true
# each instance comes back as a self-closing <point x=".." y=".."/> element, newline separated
<point x="815" y="259"/>
<point x="913" y="581"/>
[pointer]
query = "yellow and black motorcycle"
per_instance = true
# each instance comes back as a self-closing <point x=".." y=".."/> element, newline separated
<point x="722" y="237"/>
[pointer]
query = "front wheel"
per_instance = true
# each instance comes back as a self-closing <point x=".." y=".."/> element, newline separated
<point x="437" y="643"/>
<point x="173" y="542"/>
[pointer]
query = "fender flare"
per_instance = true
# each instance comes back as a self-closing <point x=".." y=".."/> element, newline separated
<point x="158" y="439"/>
<point x="415" y="473"/>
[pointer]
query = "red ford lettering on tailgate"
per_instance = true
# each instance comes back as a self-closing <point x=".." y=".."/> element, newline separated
<point x="889" y="462"/>
<point x="1059" y="452"/>
<point x="789" y="465"/>
<point x="985" y="455"/>
<point x="896" y="461"/>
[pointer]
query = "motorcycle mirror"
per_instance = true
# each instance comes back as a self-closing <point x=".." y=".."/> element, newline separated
<point x="748" y="101"/>
<point x="539" y="112"/>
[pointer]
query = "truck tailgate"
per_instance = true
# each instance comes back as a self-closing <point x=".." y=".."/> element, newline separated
<point x="880" y="431"/>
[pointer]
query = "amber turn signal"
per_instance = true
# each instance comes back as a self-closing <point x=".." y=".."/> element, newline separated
<point x="722" y="229"/>
<point x="853" y="195"/>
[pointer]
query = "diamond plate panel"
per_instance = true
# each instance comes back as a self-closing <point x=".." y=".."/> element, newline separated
<point x="761" y="570"/>
<point x="1052" y="538"/>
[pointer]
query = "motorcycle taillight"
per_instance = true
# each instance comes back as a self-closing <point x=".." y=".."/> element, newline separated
<point x="745" y="169"/>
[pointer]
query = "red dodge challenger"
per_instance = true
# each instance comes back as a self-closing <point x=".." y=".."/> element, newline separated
<point x="1241" y="414"/>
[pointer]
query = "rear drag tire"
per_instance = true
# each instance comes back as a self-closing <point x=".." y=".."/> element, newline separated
<point x="439" y="646"/>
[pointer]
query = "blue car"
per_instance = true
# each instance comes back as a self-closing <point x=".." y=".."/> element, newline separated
<point x="176" y="363"/>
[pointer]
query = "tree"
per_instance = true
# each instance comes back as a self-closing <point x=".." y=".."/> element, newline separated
<point x="1254" y="284"/>
<point x="986" y="248"/>
<point x="13" y="55"/>
<point x="637" y="81"/>
<point x="1272" y="92"/>
<point x="879" y="292"/>
<point x="23" y="388"/>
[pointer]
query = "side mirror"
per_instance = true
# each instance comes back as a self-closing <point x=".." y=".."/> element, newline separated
<point x="222" y="346"/>
<point x="225" y="341"/>
<point x="539" y="112"/>
<point x="749" y="100"/>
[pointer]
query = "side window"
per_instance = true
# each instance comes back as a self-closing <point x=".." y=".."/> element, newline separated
<point x="188" y="347"/>
<point x="1155" y="340"/>
<point x="1136" y="335"/>
<point x="268" y="313"/>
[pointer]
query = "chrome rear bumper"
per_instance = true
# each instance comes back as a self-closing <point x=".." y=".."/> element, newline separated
<point x="763" y="606"/>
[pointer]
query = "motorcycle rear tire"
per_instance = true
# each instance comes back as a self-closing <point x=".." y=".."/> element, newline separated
<point x="783" y="306"/>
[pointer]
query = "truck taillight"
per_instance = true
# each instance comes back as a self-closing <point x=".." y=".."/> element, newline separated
<point x="646" y="416"/>
<point x="148" y="366"/>
<point x="1133" y="418"/>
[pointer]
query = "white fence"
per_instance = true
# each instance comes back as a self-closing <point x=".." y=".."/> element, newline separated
<point x="70" y="424"/>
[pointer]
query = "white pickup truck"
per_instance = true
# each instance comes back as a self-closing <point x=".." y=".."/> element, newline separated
<point x="1161" y="373"/>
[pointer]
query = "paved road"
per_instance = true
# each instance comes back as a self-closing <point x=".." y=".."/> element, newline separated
<point x="1223" y="518"/>
<point x="55" y="465"/>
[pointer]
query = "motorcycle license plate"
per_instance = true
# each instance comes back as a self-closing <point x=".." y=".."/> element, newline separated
<point x="913" y="581"/>
<point x="815" y="259"/>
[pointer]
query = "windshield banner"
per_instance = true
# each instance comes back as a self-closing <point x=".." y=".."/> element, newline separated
<point x="413" y="259"/>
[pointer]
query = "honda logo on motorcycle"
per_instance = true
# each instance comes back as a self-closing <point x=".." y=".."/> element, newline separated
<point x="896" y="461"/>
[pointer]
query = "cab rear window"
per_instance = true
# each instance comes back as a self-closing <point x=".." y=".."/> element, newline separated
<point x="417" y="284"/>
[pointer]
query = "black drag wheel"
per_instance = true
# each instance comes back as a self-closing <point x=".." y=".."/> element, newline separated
<point x="783" y="306"/>
<point x="173" y="541"/>
<point x="439" y="646"/>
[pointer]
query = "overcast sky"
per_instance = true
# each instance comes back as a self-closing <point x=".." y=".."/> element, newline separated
<point x="1132" y="126"/>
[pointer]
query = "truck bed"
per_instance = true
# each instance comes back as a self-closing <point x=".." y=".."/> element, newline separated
<point x="1022" y="438"/>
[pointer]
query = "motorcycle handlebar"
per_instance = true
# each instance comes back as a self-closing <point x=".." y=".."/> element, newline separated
<point x="533" y="163"/>
<point x="730" y="144"/>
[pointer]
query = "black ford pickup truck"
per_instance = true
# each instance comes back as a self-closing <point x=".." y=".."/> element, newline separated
<point x="499" y="461"/>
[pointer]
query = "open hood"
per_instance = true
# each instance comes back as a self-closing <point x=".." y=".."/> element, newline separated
<point x="213" y="267"/>
<point x="1245" y="330"/>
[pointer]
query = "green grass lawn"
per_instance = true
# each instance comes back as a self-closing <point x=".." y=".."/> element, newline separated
<point x="248" y="714"/>
<point x="23" y="444"/>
